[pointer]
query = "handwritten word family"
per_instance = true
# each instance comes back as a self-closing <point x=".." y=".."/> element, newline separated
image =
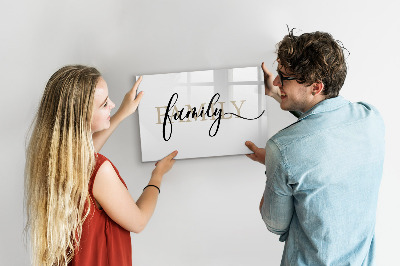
<point x="185" y="115"/>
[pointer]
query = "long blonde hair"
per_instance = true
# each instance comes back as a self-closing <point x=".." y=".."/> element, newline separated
<point x="59" y="161"/>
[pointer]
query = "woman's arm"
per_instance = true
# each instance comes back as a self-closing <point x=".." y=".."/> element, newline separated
<point x="116" y="201"/>
<point x="128" y="107"/>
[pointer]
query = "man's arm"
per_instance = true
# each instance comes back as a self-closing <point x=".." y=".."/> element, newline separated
<point x="270" y="89"/>
<point x="276" y="211"/>
<point x="274" y="91"/>
<point x="276" y="206"/>
<point x="258" y="154"/>
<point x="128" y="107"/>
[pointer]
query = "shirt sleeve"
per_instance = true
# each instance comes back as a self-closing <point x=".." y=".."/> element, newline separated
<point x="277" y="209"/>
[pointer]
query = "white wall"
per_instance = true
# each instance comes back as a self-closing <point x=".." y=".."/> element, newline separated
<point x="208" y="208"/>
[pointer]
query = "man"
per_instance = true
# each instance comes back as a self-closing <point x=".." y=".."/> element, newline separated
<point x="323" y="171"/>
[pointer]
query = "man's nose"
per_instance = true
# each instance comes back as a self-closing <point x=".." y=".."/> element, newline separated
<point x="277" y="81"/>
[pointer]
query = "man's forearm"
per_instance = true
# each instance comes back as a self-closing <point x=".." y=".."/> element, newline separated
<point x="276" y="211"/>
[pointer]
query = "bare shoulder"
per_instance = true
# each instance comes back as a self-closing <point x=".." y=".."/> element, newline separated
<point x="114" y="198"/>
<point x="106" y="169"/>
<point x="106" y="181"/>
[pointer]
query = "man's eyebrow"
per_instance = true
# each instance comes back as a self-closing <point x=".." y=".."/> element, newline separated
<point x="104" y="102"/>
<point x="283" y="74"/>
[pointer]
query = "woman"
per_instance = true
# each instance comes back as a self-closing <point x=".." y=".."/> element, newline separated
<point x="78" y="207"/>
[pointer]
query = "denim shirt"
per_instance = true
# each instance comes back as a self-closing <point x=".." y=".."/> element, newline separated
<point x="323" y="176"/>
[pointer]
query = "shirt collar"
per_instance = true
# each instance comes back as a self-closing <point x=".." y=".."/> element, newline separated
<point x="325" y="106"/>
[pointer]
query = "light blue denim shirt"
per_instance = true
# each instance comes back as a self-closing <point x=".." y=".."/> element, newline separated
<point x="323" y="176"/>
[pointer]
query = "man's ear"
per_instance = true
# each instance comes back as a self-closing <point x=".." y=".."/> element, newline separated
<point x="317" y="88"/>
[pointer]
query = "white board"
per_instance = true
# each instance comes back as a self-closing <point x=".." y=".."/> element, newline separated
<point x="202" y="113"/>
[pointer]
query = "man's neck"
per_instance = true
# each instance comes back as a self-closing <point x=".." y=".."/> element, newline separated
<point x="316" y="100"/>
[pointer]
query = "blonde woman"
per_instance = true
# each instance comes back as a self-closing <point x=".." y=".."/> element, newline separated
<point x="78" y="207"/>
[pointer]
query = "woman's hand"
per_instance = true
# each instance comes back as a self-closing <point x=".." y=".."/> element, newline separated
<point x="164" y="165"/>
<point x="270" y="89"/>
<point x="131" y="101"/>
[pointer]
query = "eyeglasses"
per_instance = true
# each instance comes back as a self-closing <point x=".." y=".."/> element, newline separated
<point x="282" y="78"/>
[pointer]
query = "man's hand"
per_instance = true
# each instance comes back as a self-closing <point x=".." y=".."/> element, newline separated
<point x="259" y="153"/>
<point x="270" y="89"/>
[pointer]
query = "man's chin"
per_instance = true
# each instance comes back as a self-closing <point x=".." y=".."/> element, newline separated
<point x="285" y="108"/>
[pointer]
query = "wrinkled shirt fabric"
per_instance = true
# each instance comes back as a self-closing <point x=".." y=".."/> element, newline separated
<point x="323" y="176"/>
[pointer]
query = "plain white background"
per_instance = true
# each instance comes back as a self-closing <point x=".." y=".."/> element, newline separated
<point x="208" y="208"/>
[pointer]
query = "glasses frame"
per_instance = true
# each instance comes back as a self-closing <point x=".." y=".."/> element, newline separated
<point x="282" y="78"/>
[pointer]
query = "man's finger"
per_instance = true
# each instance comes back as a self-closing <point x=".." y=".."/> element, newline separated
<point x="265" y="69"/>
<point x="251" y="146"/>
<point x="251" y="156"/>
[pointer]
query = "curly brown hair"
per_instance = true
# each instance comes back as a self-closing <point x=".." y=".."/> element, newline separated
<point x="314" y="57"/>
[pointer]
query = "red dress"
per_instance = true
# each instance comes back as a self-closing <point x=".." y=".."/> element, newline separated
<point x="103" y="241"/>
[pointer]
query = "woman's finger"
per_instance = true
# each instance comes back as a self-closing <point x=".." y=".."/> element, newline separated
<point x="136" y="85"/>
